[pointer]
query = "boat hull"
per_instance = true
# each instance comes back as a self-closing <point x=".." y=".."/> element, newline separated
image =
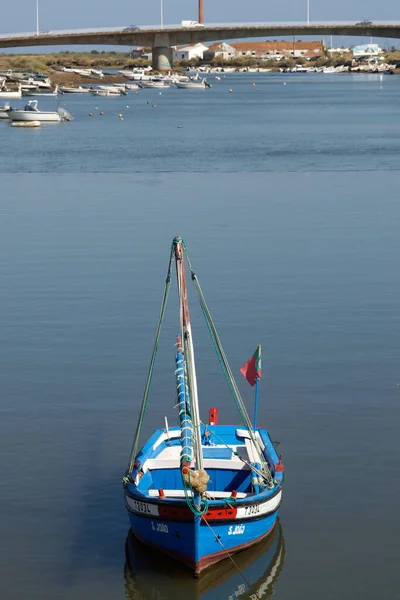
<point x="190" y="86"/>
<point x="26" y="115"/>
<point x="10" y="94"/>
<point x="199" y="542"/>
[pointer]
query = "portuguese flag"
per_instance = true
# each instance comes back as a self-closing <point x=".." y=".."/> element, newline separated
<point x="252" y="368"/>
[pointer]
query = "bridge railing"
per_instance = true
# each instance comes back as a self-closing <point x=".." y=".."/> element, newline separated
<point x="255" y="25"/>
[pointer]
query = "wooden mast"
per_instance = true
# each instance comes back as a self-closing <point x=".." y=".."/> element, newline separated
<point x="188" y="349"/>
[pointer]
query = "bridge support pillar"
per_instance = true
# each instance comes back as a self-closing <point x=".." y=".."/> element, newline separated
<point x="162" y="52"/>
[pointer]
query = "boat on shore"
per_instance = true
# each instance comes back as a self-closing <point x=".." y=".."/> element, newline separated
<point x="5" y="92"/>
<point x="201" y="491"/>
<point x="30" y="112"/>
<point x="36" y="82"/>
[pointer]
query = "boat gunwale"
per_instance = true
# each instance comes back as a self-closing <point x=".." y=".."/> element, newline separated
<point x="215" y="520"/>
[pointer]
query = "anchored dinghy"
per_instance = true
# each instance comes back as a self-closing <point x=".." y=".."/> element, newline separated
<point x="200" y="491"/>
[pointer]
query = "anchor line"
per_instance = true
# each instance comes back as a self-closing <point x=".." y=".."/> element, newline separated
<point x="229" y="555"/>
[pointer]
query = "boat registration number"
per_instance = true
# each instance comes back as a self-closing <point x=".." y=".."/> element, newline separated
<point x="161" y="527"/>
<point x="252" y="510"/>
<point x="236" y="530"/>
<point x="141" y="507"/>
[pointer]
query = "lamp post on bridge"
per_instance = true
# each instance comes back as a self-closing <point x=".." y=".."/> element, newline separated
<point x="162" y="14"/>
<point x="37" y="17"/>
<point x="308" y="13"/>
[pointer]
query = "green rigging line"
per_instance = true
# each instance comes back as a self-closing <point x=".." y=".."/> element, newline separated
<point x="143" y="407"/>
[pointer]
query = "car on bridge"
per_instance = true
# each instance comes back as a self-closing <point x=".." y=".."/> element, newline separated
<point x="132" y="28"/>
<point x="364" y="23"/>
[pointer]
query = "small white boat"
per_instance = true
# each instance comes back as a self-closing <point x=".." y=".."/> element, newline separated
<point x="32" y="82"/>
<point x="106" y="93"/>
<point x="193" y="84"/>
<point x="131" y="86"/>
<point x="4" y="111"/>
<point x="41" y="93"/>
<point x="137" y="74"/>
<point x="30" y="112"/>
<point x="113" y="91"/>
<point x="6" y="93"/>
<point x="154" y="83"/>
<point x="74" y="90"/>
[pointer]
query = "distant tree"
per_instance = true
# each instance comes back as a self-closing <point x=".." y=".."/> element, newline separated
<point x="94" y="52"/>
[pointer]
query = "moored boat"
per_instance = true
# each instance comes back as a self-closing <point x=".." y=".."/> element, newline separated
<point x="154" y="83"/>
<point x="7" y="93"/>
<point x="41" y="93"/>
<point x="193" y="84"/>
<point x="110" y="91"/>
<point x="30" y="112"/>
<point x="202" y="491"/>
<point x="74" y="90"/>
<point x="4" y="111"/>
<point x="148" y="575"/>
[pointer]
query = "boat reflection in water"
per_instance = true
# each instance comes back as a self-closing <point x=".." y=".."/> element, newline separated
<point x="150" y="575"/>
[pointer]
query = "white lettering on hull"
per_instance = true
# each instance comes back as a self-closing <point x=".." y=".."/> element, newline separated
<point x="255" y="510"/>
<point x="236" y="529"/>
<point x="160" y="527"/>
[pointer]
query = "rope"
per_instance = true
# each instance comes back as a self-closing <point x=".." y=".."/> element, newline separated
<point x="198" y="512"/>
<point x="217" y="538"/>
<point x="228" y="372"/>
<point x="143" y="407"/>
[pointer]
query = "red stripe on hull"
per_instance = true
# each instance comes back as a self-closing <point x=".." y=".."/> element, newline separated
<point x="206" y="561"/>
<point x="220" y="513"/>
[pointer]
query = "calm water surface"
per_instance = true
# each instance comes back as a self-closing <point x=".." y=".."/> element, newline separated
<point x="288" y="198"/>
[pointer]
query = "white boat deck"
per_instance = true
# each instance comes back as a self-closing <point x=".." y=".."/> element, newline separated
<point x="181" y="494"/>
<point x="169" y="458"/>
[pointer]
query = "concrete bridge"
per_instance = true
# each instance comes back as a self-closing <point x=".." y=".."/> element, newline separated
<point x="161" y="40"/>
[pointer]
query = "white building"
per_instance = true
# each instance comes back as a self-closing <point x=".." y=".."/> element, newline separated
<point x="189" y="51"/>
<point x="220" y="50"/>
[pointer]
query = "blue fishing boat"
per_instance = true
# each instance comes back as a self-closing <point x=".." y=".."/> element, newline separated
<point x="201" y="491"/>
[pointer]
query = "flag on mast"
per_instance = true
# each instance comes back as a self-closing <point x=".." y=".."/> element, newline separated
<point x="252" y="368"/>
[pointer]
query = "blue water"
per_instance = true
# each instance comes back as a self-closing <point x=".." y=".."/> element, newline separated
<point x="287" y="196"/>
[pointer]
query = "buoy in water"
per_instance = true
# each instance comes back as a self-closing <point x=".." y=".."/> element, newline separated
<point x="230" y="91"/>
<point x="179" y="126"/>
<point x="120" y="116"/>
<point x="90" y="114"/>
<point x="153" y="105"/>
<point x="253" y="84"/>
<point x="25" y="124"/>
<point x="101" y="113"/>
<point x="284" y="83"/>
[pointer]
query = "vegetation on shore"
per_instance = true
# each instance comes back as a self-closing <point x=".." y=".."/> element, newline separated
<point x="49" y="63"/>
